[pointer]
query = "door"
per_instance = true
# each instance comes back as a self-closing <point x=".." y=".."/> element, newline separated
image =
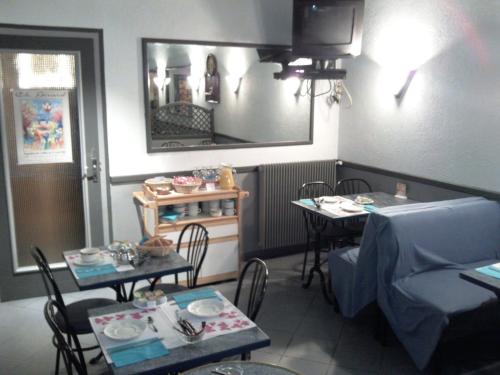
<point x="54" y="189"/>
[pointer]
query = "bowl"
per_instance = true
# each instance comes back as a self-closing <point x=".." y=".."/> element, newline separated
<point x="162" y="183"/>
<point x="187" y="188"/>
<point x="89" y="254"/>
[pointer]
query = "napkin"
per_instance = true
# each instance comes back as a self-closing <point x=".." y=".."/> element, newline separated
<point x="128" y="354"/>
<point x="370" y="208"/>
<point x="184" y="299"/>
<point x="307" y="202"/>
<point x="104" y="269"/>
<point x="490" y="271"/>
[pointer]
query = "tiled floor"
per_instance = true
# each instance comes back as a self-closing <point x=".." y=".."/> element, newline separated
<point x="306" y="333"/>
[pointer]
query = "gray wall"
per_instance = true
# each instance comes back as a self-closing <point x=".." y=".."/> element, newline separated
<point x="447" y="126"/>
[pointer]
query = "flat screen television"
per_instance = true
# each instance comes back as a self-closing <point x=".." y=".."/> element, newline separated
<point x="327" y="29"/>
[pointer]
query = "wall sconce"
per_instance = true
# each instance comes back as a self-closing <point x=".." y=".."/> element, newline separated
<point x="194" y="82"/>
<point x="299" y="88"/>
<point x="402" y="91"/>
<point x="161" y="84"/>
<point x="234" y="83"/>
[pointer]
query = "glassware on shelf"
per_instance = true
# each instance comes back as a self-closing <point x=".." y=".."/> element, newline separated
<point x="227" y="173"/>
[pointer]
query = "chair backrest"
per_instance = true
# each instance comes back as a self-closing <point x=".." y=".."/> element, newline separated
<point x="314" y="189"/>
<point x="71" y="360"/>
<point x="196" y="237"/>
<point x="49" y="281"/>
<point x="259" y="274"/>
<point x="350" y="186"/>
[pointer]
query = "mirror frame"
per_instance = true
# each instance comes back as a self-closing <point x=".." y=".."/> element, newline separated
<point x="150" y="149"/>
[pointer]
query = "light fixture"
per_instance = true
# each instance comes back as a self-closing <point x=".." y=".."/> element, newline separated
<point x="161" y="83"/>
<point x="194" y="82"/>
<point x="299" y="88"/>
<point x="301" y="61"/>
<point x="234" y="83"/>
<point x="402" y="91"/>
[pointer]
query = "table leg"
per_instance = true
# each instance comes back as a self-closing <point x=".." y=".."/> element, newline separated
<point x="317" y="268"/>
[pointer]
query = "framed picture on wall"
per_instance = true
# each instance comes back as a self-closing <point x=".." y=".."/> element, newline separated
<point x="212" y="80"/>
<point x="43" y="126"/>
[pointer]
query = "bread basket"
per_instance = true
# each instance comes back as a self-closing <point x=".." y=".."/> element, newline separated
<point x="156" y="246"/>
<point x="161" y="184"/>
<point x="186" y="184"/>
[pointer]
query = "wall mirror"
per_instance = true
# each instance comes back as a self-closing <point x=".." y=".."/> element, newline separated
<point x="203" y="95"/>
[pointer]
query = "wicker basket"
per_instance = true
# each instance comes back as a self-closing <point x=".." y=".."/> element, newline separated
<point x="164" y="184"/>
<point x="186" y="189"/>
<point x="157" y="247"/>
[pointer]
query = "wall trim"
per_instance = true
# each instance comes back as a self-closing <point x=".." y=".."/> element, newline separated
<point x="426" y="181"/>
<point x="139" y="179"/>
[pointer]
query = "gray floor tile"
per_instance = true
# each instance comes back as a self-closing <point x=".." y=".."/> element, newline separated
<point x="314" y="349"/>
<point x="337" y="370"/>
<point x="279" y="341"/>
<point x="260" y="356"/>
<point x="304" y="366"/>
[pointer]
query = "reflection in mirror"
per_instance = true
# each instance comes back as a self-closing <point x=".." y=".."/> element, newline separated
<point x="220" y="96"/>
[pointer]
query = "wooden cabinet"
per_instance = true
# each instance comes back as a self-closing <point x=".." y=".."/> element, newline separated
<point x="224" y="251"/>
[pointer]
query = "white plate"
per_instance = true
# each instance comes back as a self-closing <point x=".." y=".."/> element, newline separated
<point x="81" y="262"/>
<point x="206" y="308"/>
<point x="349" y="207"/>
<point x="363" y="200"/>
<point x="127" y="329"/>
<point x="332" y="199"/>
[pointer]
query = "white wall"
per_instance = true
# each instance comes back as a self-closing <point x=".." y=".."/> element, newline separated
<point x="126" y="21"/>
<point x="447" y="127"/>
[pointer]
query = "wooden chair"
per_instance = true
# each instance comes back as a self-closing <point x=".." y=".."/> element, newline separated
<point x="72" y="319"/>
<point x="54" y="313"/>
<point x="197" y="245"/>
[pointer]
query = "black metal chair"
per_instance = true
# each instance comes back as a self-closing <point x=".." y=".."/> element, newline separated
<point x="316" y="223"/>
<point x="257" y="270"/>
<point x="54" y="312"/>
<point x="75" y="319"/>
<point x="197" y="245"/>
<point x="351" y="186"/>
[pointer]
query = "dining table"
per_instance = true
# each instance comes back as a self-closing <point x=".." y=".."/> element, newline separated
<point x="111" y="273"/>
<point x="241" y="368"/>
<point x="338" y="209"/>
<point x="160" y="344"/>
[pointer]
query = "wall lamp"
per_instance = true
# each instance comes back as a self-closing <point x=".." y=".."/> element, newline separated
<point x="194" y="83"/>
<point x="161" y="84"/>
<point x="402" y="91"/>
<point x="234" y="83"/>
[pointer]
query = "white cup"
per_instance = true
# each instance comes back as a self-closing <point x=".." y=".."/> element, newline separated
<point x="194" y="211"/>
<point x="215" y="212"/>
<point x="229" y="211"/>
<point x="89" y="254"/>
<point x="213" y="205"/>
<point x="227" y="203"/>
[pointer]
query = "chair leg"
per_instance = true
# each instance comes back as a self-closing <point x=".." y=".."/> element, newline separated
<point x="96" y="359"/>
<point x="58" y="357"/>
<point x="308" y="244"/>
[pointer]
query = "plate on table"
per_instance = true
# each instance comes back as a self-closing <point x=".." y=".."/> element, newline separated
<point x="349" y="207"/>
<point x="330" y="199"/>
<point x="360" y="199"/>
<point x="80" y="262"/>
<point x="127" y="329"/>
<point x="206" y="308"/>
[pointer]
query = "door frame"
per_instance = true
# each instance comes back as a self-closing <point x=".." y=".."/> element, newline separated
<point x="95" y="37"/>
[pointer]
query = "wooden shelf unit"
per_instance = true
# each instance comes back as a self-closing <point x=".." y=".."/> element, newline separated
<point x="224" y="253"/>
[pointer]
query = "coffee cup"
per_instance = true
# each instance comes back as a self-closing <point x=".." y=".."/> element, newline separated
<point x="214" y="205"/>
<point x="89" y="254"/>
<point x="215" y="212"/>
<point x="227" y="203"/>
<point x="229" y="211"/>
<point x="194" y="211"/>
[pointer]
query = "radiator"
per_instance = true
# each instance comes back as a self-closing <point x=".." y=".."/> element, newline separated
<point x="280" y="223"/>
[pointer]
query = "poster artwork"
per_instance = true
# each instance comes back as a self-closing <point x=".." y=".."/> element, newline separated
<point x="43" y="128"/>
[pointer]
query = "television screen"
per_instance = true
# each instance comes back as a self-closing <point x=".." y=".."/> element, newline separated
<point x="327" y="29"/>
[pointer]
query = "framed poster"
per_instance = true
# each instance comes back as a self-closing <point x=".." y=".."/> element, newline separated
<point x="43" y="126"/>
